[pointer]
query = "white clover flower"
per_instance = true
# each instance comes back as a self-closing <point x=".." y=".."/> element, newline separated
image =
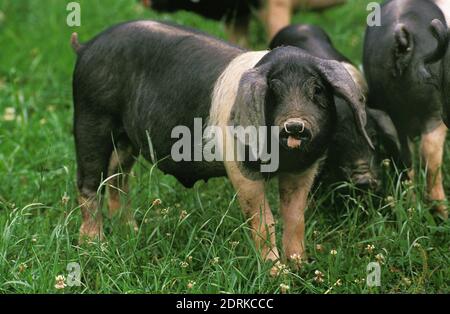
<point x="390" y="200"/>
<point x="22" y="267"/>
<point x="380" y="258"/>
<point x="370" y="248"/>
<point x="60" y="282"/>
<point x="280" y="268"/>
<point x="65" y="199"/>
<point x="191" y="284"/>
<point x="297" y="259"/>
<point x="156" y="202"/>
<point x="406" y="281"/>
<point x="9" y="114"/>
<point x="318" y="276"/>
<point x="183" y="214"/>
<point x="284" y="288"/>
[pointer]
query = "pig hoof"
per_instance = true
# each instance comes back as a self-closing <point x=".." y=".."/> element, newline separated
<point x="440" y="211"/>
<point x="273" y="272"/>
<point x="90" y="234"/>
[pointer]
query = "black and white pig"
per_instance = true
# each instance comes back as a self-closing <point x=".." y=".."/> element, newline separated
<point x="402" y="67"/>
<point x="137" y="82"/>
<point x="350" y="158"/>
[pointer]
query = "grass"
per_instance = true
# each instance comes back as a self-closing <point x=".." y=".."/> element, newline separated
<point x="196" y="236"/>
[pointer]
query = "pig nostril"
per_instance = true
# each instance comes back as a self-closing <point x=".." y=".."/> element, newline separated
<point x="366" y="184"/>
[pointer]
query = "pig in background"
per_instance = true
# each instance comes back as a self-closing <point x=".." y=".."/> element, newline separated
<point x="237" y="14"/>
<point x="350" y="158"/>
<point x="444" y="5"/>
<point x="403" y="70"/>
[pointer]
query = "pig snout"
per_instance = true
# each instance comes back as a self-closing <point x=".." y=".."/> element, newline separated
<point x="295" y="133"/>
<point x="363" y="178"/>
<point x="365" y="182"/>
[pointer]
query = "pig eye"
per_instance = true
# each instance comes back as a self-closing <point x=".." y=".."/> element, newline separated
<point x="373" y="137"/>
<point x="318" y="90"/>
<point x="276" y="84"/>
<point x="318" y="96"/>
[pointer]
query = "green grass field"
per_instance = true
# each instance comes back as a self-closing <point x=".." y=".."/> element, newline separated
<point x="196" y="240"/>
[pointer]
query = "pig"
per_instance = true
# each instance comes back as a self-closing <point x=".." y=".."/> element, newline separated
<point x="135" y="85"/>
<point x="445" y="84"/>
<point x="237" y="13"/>
<point x="350" y="158"/>
<point x="403" y="70"/>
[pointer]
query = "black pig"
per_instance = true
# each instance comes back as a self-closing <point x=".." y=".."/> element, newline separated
<point x="403" y="70"/>
<point x="444" y="5"/>
<point x="237" y="13"/>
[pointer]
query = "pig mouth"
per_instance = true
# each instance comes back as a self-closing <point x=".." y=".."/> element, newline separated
<point x="295" y="141"/>
<point x="291" y="141"/>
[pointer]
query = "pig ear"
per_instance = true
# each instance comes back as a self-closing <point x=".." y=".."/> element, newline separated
<point x="387" y="130"/>
<point x="446" y="102"/>
<point x="345" y="87"/>
<point x="249" y="106"/>
<point x="440" y="33"/>
<point x="403" y="49"/>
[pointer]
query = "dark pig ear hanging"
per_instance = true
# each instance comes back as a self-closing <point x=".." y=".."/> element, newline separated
<point x="440" y="32"/>
<point x="249" y="107"/>
<point x="442" y="35"/>
<point x="445" y="87"/>
<point x="345" y="87"/>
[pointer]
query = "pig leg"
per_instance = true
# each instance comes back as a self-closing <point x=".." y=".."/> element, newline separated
<point x="279" y="12"/>
<point x="278" y="16"/>
<point x="404" y="161"/>
<point x="146" y="3"/>
<point x="93" y="148"/>
<point x="412" y="153"/>
<point x="251" y="196"/>
<point x="294" y="190"/>
<point x="316" y="4"/>
<point x="432" y="149"/>
<point x="120" y="165"/>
